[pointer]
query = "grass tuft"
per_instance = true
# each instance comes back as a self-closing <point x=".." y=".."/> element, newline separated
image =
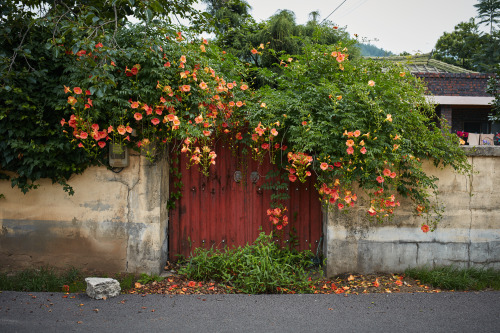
<point x="41" y="279"/>
<point x="455" y="278"/>
<point x="48" y="279"/>
<point x="262" y="267"/>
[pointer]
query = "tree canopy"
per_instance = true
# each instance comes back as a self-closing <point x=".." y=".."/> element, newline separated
<point x="459" y="46"/>
<point x="489" y="12"/>
<point x="470" y="48"/>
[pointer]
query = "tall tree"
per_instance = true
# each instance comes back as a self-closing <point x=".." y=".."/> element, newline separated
<point x="487" y="57"/>
<point x="228" y="14"/>
<point x="488" y="12"/>
<point x="280" y="32"/>
<point x="459" y="46"/>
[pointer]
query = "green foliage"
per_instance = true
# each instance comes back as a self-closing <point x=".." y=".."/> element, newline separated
<point x="277" y="183"/>
<point x="228" y="15"/>
<point x="459" y="47"/>
<point x="42" y="279"/>
<point x="326" y="103"/>
<point x="467" y="47"/>
<point x="126" y="281"/>
<point x="146" y="85"/>
<point x="262" y="267"/>
<point x="454" y="278"/>
<point x="35" y="62"/>
<point x="487" y="59"/>
<point x="51" y="280"/>
<point x="284" y="36"/>
<point x="175" y="177"/>
<point x="494" y="90"/>
<point x="160" y="83"/>
<point x="146" y="278"/>
<point x="32" y="145"/>
<point x="279" y="33"/>
<point x="489" y="12"/>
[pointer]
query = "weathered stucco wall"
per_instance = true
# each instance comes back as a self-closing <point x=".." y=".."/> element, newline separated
<point x="118" y="222"/>
<point x="115" y="222"/>
<point x="468" y="234"/>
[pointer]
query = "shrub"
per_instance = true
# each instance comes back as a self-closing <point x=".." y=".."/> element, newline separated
<point x="262" y="267"/>
<point x="455" y="278"/>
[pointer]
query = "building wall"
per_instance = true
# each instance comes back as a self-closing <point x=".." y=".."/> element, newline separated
<point x="115" y="222"/>
<point x="468" y="234"/>
<point x="456" y="84"/>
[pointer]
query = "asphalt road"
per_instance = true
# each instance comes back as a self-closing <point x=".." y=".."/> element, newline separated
<point x="443" y="312"/>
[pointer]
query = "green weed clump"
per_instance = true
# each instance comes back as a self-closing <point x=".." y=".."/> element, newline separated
<point x="262" y="267"/>
<point x="146" y="278"/>
<point x="455" y="278"/>
<point x="43" y="279"/>
<point x="49" y="279"/>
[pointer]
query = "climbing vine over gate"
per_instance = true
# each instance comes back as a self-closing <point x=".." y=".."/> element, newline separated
<point x="355" y="123"/>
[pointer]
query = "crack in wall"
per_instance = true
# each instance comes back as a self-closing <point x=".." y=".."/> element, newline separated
<point x="416" y="258"/>
<point x="471" y="179"/>
<point x="129" y="190"/>
<point x="128" y="214"/>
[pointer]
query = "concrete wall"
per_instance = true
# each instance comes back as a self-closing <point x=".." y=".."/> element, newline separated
<point x="119" y="222"/>
<point x="115" y="222"/>
<point x="468" y="234"/>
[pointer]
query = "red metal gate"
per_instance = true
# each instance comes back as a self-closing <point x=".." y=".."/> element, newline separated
<point x="224" y="210"/>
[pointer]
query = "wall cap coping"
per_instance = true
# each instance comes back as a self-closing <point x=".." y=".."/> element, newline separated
<point x="459" y="100"/>
<point x="481" y="150"/>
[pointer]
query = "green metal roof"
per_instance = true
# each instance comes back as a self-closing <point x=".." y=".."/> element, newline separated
<point x="423" y="63"/>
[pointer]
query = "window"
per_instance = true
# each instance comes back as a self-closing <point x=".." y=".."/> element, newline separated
<point x="477" y="127"/>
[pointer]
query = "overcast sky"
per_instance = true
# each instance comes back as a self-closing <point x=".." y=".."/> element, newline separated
<point x="398" y="25"/>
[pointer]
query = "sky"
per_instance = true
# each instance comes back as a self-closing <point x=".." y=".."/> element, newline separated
<point x="413" y="26"/>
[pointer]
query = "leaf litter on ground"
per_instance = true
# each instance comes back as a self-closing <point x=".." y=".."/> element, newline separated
<point x="342" y="284"/>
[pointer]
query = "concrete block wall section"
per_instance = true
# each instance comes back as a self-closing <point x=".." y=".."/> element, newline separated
<point x="468" y="235"/>
<point x="118" y="223"/>
<point x="115" y="222"/>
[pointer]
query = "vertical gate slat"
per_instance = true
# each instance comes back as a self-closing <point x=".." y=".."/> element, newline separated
<point x="195" y="205"/>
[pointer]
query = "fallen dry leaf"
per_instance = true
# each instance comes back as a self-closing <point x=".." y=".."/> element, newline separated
<point x="176" y="284"/>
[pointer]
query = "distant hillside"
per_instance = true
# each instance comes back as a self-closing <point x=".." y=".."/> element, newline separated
<point x="368" y="50"/>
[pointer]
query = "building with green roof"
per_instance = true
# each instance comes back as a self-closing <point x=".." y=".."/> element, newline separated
<point x="459" y="94"/>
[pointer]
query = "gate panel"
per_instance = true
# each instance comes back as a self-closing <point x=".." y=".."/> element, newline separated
<point x="218" y="211"/>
